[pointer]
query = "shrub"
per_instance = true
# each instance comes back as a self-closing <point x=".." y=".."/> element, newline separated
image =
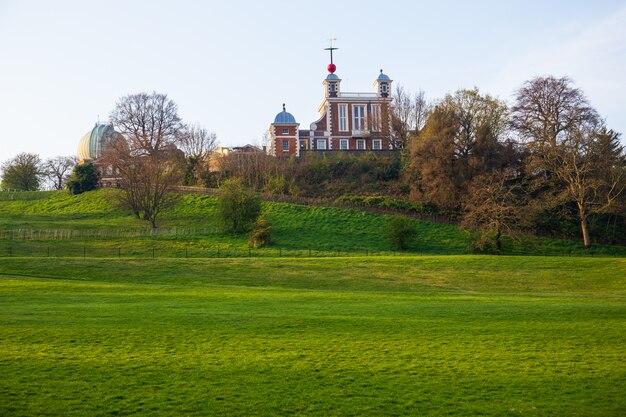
<point x="85" y="177"/>
<point x="238" y="206"/>
<point x="481" y="242"/>
<point x="401" y="232"/>
<point x="260" y="234"/>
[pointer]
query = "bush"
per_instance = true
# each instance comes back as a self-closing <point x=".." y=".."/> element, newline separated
<point x="238" y="206"/>
<point x="85" y="177"/>
<point x="401" y="232"/>
<point x="481" y="242"/>
<point x="260" y="235"/>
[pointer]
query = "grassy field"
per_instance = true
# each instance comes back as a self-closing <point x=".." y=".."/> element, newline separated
<point x="429" y="335"/>
<point x="92" y="324"/>
<point x="58" y="224"/>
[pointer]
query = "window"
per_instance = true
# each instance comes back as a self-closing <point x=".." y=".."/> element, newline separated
<point x="285" y="131"/>
<point x="343" y="117"/>
<point x="321" y="144"/>
<point x="285" y="145"/>
<point x="377" y="144"/>
<point x="383" y="88"/>
<point x="343" y="144"/>
<point x="360" y="144"/>
<point x="358" y="117"/>
<point x="376" y="117"/>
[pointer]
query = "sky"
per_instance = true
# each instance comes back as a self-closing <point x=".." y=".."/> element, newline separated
<point x="229" y="65"/>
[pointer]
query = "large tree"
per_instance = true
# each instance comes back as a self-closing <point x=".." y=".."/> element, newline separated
<point x="146" y="159"/>
<point x="58" y="170"/>
<point x="464" y="137"/>
<point x="568" y="144"/>
<point x="22" y="173"/>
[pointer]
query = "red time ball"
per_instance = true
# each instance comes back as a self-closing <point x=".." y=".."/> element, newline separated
<point x="332" y="68"/>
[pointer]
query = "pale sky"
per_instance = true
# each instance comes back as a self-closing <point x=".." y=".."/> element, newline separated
<point x="229" y="65"/>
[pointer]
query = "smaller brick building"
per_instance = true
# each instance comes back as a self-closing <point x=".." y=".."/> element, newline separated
<point x="348" y="122"/>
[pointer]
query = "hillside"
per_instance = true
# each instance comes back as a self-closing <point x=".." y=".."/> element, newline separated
<point x="59" y="224"/>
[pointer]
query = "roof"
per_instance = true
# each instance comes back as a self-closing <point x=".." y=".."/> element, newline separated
<point x="284" y="117"/>
<point x="93" y="142"/>
<point x="332" y="77"/>
<point x="383" y="77"/>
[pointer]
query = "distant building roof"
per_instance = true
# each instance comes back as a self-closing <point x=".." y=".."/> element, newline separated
<point x="93" y="142"/>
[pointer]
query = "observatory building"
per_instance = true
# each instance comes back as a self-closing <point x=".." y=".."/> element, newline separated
<point x="93" y="143"/>
<point x="348" y="122"/>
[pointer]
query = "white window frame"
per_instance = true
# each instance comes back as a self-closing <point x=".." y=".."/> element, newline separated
<point x="285" y="142"/>
<point x="360" y="144"/>
<point x="376" y="125"/>
<point x="285" y="131"/>
<point x="358" y="121"/>
<point x="321" y="142"/>
<point x="343" y="117"/>
<point x="377" y="145"/>
<point x="344" y="144"/>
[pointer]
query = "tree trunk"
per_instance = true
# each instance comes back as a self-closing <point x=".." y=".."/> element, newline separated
<point x="584" y="225"/>
<point x="585" y="229"/>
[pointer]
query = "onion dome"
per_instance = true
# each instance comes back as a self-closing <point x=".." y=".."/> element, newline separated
<point x="332" y="77"/>
<point x="284" y="117"/>
<point x="93" y="143"/>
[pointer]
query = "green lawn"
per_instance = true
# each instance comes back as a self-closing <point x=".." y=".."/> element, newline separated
<point x="430" y="335"/>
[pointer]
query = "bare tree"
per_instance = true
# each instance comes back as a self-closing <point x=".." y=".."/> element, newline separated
<point x="402" y="114"/>
<point x="197" y="143"/>
<point x="149" y="122"/>
<point x="146" y="159"/>
<point x="59" y="169"/>
<point x="409" y="114"/>
<point x="567" y="141"/>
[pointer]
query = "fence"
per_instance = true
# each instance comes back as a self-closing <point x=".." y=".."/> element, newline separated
<point x="172" y="250"/>
<point x="71" y="234"/>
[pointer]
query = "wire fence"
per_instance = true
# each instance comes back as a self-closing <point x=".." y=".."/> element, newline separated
<point x="163" y="250"/>
<point x="72" y="234"/>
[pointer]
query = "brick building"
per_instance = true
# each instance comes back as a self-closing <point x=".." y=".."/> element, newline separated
<point x="348" y="121"/>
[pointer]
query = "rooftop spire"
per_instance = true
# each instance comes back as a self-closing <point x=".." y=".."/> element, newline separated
<point x="331" y="67"/>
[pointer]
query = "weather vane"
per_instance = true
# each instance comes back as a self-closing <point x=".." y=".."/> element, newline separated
<point x="331" y="67"/>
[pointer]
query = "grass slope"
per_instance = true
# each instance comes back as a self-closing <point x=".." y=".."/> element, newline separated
<point x="455" y="335"/>
<point x="189" y="229"/>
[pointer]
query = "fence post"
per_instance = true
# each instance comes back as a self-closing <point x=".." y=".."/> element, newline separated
<point x="249" y="250"/>
<point x="118" y="252"/>
<point x="218" y="250"/>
